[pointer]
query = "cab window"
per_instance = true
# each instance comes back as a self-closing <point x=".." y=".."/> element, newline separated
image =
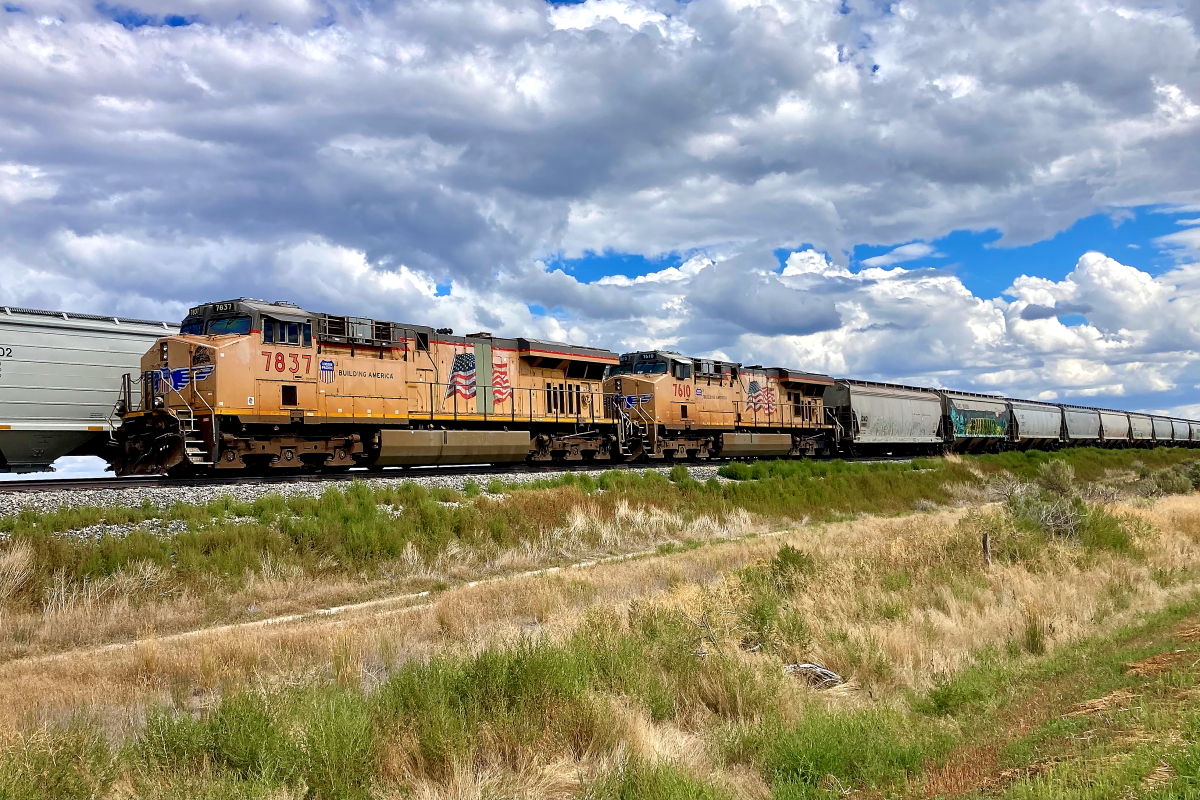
<point x="650" y="369"/>
<point x="228" y="325"/>
<point x="296" y="333"/>
<point x="192" y="326"/>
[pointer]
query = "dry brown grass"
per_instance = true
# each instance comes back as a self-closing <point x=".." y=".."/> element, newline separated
<point x="120" y="606"/>
<point x="882" y="631"/>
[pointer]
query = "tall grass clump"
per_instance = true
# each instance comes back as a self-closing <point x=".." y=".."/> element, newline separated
<point x="826" y="751"/>
<point x="639" y="778"/>
<point x="71" y="761"/>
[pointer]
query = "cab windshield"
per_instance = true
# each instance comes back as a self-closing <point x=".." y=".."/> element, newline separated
<point x="192" y="326"/>
<point x="650" y="369"/>
<point x="228" y="325"/>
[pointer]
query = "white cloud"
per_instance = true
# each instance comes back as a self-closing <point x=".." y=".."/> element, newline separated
<point x="21" y="182"/>
<point x="905" y="252"/>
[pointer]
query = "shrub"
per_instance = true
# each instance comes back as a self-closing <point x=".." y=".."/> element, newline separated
<point x="339" y="744"/>
<point x="68" y="762"/>
<point x="243" y="737"/>
<point x="1103" y="531"/>
<point x="1172" y="481"/>
<point x="1057" y="477"/>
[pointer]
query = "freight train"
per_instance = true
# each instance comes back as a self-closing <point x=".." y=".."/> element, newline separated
<point x="251" y="385"/>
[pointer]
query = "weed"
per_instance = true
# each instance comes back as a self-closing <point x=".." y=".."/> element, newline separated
<point x="339" y="745"/>
<point x="1035" y="634"/>
<point x="641" y="778"/>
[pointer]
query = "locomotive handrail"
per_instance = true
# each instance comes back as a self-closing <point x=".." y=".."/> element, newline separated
<point x="563" y="404"/>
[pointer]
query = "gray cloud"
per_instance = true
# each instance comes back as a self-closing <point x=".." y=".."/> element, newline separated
<point x="355" y="156"/>
<point x="1036" y="311"/>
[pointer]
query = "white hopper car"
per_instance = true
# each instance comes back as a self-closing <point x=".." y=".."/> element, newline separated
<point x="60" y="374"/>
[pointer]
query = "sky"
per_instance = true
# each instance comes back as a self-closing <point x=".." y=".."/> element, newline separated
<point x="993" y="196"/>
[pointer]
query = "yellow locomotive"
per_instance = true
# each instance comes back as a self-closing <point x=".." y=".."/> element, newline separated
<point x="249" y="384"/>
<point x="672" y="406"/>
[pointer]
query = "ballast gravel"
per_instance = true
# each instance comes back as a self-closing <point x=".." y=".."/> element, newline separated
<point x="166" y="496"/>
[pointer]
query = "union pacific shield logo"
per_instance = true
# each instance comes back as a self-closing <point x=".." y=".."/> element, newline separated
<point x="326" y="371"/>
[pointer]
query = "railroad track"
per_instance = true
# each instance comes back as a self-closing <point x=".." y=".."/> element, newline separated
<point x="153" y="481"/>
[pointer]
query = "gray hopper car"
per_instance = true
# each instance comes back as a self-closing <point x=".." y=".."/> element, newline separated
<point x="59" y="377"/>
<point x="881" y="416"/>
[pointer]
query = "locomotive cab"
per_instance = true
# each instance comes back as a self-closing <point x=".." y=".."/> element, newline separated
<point x="200" y="386"/>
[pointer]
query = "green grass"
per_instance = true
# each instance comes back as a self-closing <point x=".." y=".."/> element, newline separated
<point x="357" y="530"/>
<point x="639" y="778"/>
<point x="68" y="761"/>
<point x="827" y="752"/>
<point x="318" y="738"/>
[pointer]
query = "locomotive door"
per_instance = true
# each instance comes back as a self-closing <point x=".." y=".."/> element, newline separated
<point x="484" y="396"/>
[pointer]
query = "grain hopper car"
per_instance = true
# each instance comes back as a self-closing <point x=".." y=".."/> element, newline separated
<point x="59" y="373"/>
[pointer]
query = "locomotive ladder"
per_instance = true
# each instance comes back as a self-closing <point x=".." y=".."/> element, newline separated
<point x="194" y="445"/>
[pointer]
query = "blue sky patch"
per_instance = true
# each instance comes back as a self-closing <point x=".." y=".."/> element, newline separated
<point x="984" y="267"/>
<point x="131" y="18"/>
<point x="592" y="266"/>
<point x="987" y="270"/>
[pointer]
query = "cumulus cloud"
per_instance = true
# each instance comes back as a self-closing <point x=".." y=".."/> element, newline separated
<point x="1140" y="335"/>
<point x="425" y="161"/>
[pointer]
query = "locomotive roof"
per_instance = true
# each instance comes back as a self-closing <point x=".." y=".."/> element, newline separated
<point x="340" y="328"/>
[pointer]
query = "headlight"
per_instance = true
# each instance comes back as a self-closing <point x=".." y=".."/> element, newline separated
<point x="158" y="402"/>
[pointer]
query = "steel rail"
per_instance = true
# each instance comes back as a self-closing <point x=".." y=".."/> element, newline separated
<point x="144" y="481"/>
<point x="162" y="481"/>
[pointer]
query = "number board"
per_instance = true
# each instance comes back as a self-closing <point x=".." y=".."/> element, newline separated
<point x="280" y="362"/>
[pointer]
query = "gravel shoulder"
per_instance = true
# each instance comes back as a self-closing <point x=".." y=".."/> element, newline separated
<point x="166" y="496"/>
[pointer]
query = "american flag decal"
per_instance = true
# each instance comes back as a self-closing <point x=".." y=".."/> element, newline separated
<point x="501" y="391"/>
<point x="462" y="377"/>
<point x="760" y="398"/>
